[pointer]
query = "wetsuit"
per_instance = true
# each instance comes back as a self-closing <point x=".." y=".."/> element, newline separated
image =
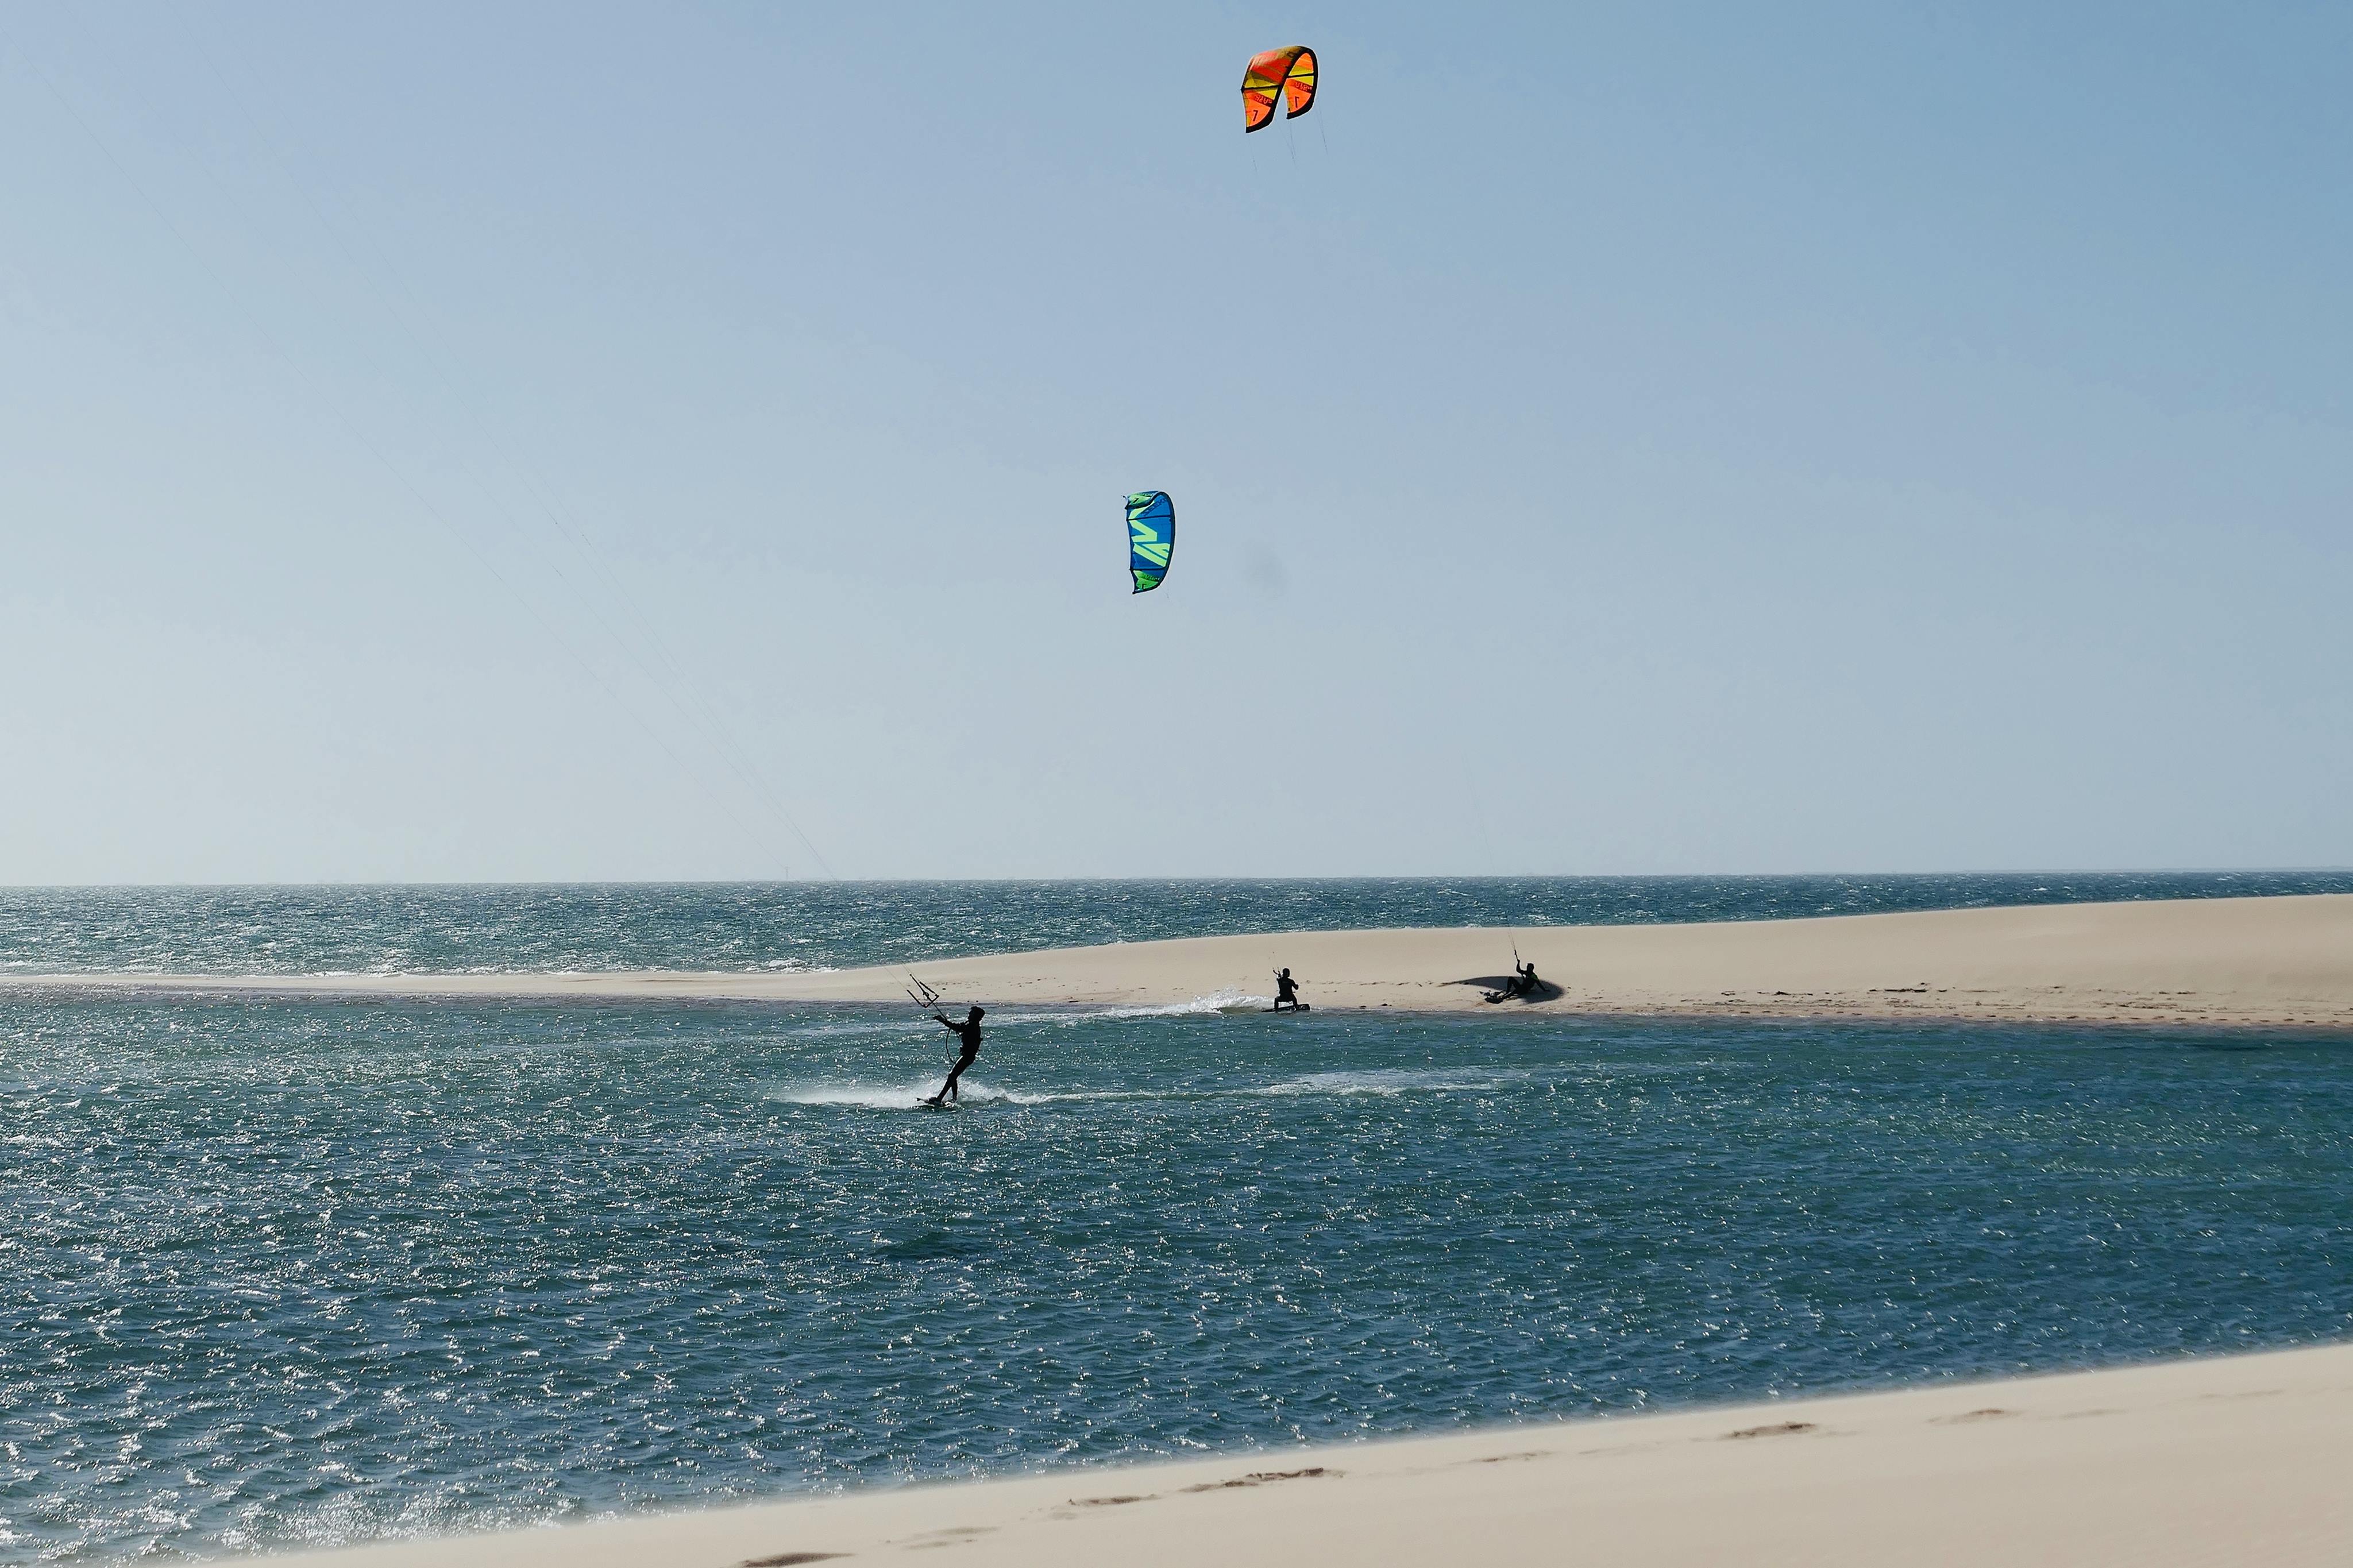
<point x="967" y="1034"/>
<point x="1523" y="985"/>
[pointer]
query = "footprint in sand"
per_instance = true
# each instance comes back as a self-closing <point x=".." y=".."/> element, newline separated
<point x="932" y="1540"/>
<point x="1261" y="1478"/>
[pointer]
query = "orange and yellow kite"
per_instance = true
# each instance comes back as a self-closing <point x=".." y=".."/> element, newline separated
<point x="1286" y="73"/>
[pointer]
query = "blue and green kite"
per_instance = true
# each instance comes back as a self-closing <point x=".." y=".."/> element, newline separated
<point x="1151" y="537"/>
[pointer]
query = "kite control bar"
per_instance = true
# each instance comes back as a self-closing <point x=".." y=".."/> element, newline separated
<point x="927" y="1000"/>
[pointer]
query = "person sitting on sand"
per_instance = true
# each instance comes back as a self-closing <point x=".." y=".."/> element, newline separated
<point x="967" y="1034"/>
<point x="1286" y="993"/>
<point x="1523" y="985"/>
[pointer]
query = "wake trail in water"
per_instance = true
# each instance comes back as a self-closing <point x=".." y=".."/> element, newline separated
<point x="1212" y="1005"/>
<point x="1215" y="1002"/>
<point x="892" y="1097"/>
<point x="1323" y="1084"/>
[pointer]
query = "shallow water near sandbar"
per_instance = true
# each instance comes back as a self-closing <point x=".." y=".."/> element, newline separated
<point x="308" y="1271"/>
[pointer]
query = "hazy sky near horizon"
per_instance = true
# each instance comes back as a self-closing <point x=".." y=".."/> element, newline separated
<point x="538" y="441"/>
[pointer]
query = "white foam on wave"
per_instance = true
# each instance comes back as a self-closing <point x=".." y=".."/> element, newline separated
<point x="1215" y="1002"/>
<point x="1072" y="1016"/>
<point x="1319" y="1086"/>
<point x="898" y="1097"/>
<point x="1085" y="1096"/>
<point x="1376" y="1081"/>
<point x="1392" y="1081"/>
<point x="1381" y="1081"/>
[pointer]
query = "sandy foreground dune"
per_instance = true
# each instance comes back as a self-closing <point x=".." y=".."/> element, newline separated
<point x="2235" y="1460"/>
<point x="2286" y="960"/>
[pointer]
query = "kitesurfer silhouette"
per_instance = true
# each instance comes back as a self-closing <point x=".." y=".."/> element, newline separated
<point x="1286" y="991"/>
<point x="1523" y="984"/>
<point x="967" y="1034"/>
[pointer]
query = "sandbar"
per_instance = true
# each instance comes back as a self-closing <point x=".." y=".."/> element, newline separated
<point x="2278" y="962"/>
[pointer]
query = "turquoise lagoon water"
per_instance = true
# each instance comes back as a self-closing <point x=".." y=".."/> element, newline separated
<point x="292" y="1271"/>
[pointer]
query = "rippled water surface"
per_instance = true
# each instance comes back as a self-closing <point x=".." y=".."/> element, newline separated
<point x="801" y="925"/>
<point x="277" y="1272"/>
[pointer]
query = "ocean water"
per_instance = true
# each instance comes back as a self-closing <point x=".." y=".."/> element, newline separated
<point x="280" y="1272"/>
<point x="819" y="925"/>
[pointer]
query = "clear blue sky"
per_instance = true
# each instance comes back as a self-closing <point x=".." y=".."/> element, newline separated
<point x="448" y="442"/>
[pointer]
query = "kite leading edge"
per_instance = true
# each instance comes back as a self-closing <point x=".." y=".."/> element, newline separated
<point x="1287" y="73"/>
<point x="1151" y="537"/>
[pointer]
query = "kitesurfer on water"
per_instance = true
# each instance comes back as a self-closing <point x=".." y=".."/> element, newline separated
<point x="1286" y="993"/>
<point x="967" y="1034"/>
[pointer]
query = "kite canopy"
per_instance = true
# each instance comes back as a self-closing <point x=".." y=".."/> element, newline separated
<point x="1288" y="73"/>
<point x="1151" y="536"/>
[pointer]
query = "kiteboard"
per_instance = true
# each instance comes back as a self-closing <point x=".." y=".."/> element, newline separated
<point x="1303" y="1007"/>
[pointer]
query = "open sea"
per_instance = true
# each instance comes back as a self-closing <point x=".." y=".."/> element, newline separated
<point x="281" y="1272"/>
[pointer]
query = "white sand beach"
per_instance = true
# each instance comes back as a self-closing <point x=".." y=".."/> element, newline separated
<point x="2228" y="1459"/>
<point x="2273" y="960"/>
